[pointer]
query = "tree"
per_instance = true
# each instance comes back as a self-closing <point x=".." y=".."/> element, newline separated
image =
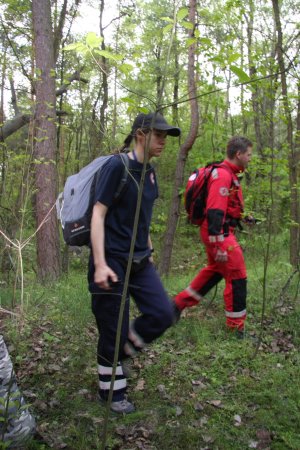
<point x="293" y="153"/>
<point x="45" y="143"/>
<point x="183" y="151"/>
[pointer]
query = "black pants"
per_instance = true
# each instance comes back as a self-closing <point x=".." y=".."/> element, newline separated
<point x="156" y="316"/>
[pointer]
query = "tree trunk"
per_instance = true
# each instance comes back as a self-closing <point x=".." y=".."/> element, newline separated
<point x="183" y="152"/>
<point x="176" y="81"/>
<point x="104" y="87"/>
<point x="252" y="73"/>
<point x="294" y="229"/>
<point x="48" y="257"/>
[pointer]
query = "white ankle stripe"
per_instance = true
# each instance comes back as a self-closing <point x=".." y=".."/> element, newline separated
<point x="118" y="384"/>
<point x="235" y="315"/>
<point x="103" y="370"/>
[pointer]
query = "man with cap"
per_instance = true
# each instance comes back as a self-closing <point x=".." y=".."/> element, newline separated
<point x="111" y="234"/>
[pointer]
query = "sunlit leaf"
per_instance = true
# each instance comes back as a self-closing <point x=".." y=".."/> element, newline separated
<point x="168" y="27"/>
<point x="126" y="68"/>
<point x="92" y="40"/>
<point x="191" y="41"/>
<point x="206" y="41"/>
<point x="187" y="25"/>
<point x="167" y="19"/>
<point x="242" y="76"/>
<point x="182" y="13"/>
<point x="234" y="57"/>
<point x="71" y="47"/>
<point x="106" y="54"/>
<point x="127" y="100"/>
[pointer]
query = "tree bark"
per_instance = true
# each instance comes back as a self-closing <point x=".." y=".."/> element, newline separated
<point x="48" y="256"/>
<point x="173" y="216"/>
<point x="293" y="176"/>
<point x="252" y="74"/>
<point x="104" y="87"/>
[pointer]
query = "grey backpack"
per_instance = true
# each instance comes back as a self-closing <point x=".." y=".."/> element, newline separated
<point x="75" y="204"/>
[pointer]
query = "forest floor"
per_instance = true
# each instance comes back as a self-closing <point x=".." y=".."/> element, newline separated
<point x="197" y="387"/>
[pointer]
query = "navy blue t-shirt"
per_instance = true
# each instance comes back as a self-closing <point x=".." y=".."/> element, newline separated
<point x="120" y="215"/>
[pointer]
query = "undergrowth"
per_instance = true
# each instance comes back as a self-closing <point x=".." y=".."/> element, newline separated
<point x="197" y="387"/>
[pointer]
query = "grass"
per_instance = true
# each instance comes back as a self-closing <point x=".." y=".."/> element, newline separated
<point x="201" y="389"/>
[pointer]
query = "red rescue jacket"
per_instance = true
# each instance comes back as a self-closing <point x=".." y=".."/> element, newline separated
<point x="225" y="204"/>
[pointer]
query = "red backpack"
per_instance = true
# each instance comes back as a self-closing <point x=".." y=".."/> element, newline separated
<point x="195" y="194"/>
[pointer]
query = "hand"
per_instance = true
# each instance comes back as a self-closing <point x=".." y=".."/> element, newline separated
<point x="250" y="220"/>
<point x="103" y="276"/>
<point x="221" y="256"/>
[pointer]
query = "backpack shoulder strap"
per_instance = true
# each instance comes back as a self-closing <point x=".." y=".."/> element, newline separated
<point x="125" y="161"/>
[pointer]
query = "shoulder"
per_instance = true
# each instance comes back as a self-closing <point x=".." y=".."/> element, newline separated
<point x="221" y="172"/>
<point x="117" y="162"/>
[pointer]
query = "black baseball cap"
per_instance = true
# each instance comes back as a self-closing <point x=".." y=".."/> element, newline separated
<point x="154" y="121"/>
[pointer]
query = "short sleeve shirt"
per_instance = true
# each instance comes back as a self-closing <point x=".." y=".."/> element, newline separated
<point x="121" y="212"/>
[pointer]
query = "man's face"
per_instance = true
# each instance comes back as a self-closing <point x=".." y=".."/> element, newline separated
<point x="243" y="159"/>
<point x="157" y="142"/>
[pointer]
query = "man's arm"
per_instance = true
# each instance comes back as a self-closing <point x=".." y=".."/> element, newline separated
<point x="103" y="273"/>
<point x="217" y="202"/>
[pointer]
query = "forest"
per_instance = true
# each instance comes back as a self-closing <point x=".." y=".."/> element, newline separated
<point x="74" y="75"/>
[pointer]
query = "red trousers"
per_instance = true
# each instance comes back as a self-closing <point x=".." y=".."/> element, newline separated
<point x="234" y="273"/>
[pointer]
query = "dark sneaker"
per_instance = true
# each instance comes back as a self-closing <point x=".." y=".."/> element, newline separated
<point x="243" y="335"/>
<point x="120" y="407"/>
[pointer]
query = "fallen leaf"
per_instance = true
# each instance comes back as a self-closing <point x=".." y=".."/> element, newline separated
<point x="199" y="407"/>
<point x="215" y="403"/>
<point x="140" y="385"/>
<point x="178" y="411"/>
<point x="237" y="420"/>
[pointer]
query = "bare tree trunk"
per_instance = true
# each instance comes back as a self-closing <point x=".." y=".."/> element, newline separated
<point x="2" y="146"/>
<point x="293" y="178"/>
<point x="176" y="81"/>
<point x="183" y="152"/>
<point x="44" y="148"/>
<point x="252" y="72"/>
<point x="104" y="87"/>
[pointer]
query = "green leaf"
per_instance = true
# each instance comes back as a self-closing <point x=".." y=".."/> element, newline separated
<point x="206" y="41"/>
<point x="126" y="68"/>
<point x="167" y="28"/>
<point x="182" y="13"/>
<point x="106" y="54"/>
<point x="187" y="25"/>
<point x="167" y="19"/>
<point x="191" y="41"/>
<point x="242" y="76"/>
<point x="234" y="57"/>
<point x="71" y="47"/>
<point x="92" y="40"/>
<point x="127" y="100"/>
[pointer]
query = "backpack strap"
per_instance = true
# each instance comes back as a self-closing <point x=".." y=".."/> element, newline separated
<point x="125" y="160"/>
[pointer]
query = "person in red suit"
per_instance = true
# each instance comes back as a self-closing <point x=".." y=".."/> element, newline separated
<point x="224" y="210"/>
